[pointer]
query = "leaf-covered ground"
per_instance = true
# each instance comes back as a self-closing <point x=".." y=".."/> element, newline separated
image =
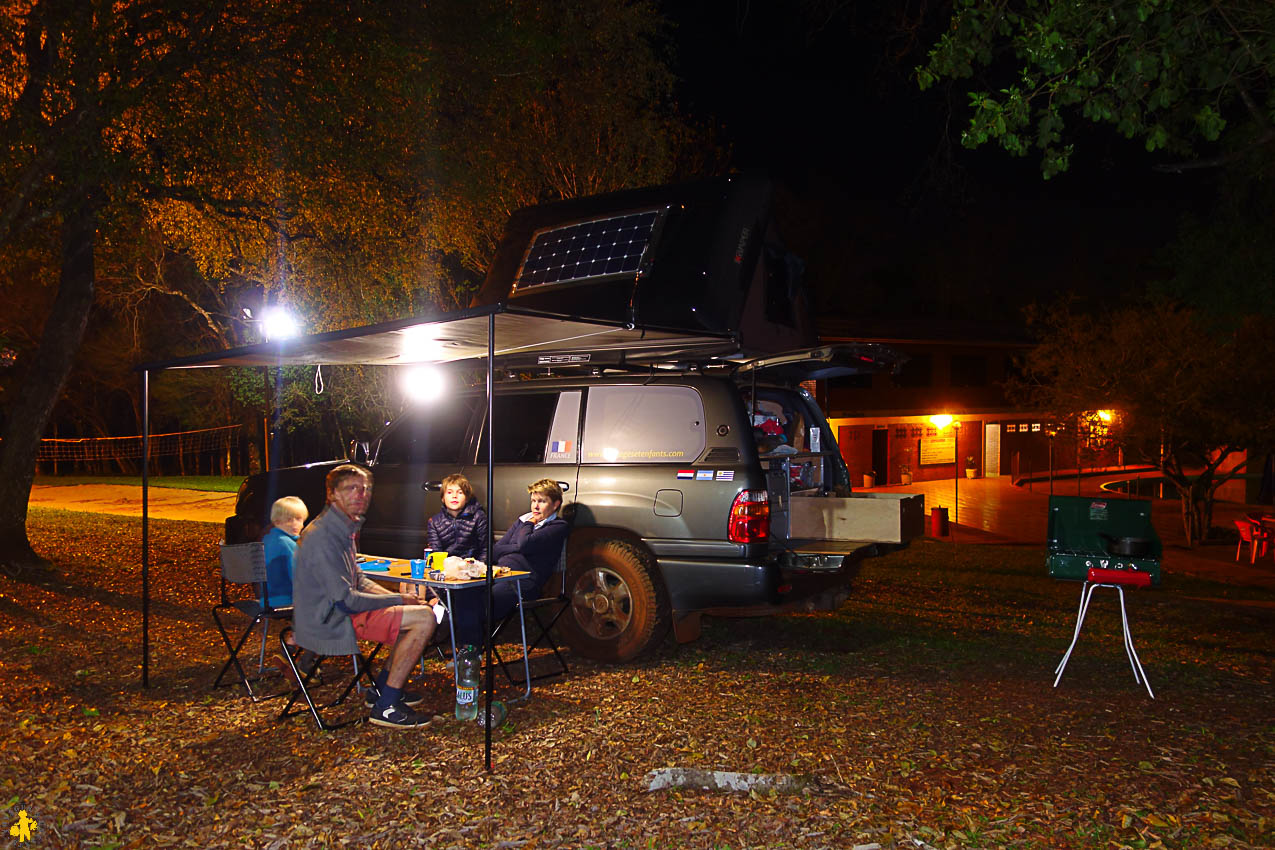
<point x="921" y="714"/>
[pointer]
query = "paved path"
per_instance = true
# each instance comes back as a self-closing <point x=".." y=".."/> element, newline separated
<point x="994" y="510"/>
<point x="161" y="503"/>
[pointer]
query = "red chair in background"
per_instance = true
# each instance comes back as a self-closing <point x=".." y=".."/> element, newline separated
<point x="1255" y="535"/>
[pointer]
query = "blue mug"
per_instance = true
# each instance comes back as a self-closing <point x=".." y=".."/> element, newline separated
<point x="418" y="567"/>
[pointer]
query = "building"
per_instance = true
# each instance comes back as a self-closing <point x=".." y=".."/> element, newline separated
<point x="883" y="425"/>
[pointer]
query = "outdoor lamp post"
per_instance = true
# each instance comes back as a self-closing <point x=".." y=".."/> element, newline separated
<point x="942" y="421"/>
<point x="1052" y="432"/>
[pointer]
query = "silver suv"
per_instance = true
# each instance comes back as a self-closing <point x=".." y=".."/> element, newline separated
<point x="692" y="491"/>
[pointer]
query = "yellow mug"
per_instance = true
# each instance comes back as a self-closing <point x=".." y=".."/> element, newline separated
<point x="436" y="560"/>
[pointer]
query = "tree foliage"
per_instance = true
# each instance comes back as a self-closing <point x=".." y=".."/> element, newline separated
<point x="171" y="161"/>
<point x="1187" y="394"/>
<point x="1178" y="75"/>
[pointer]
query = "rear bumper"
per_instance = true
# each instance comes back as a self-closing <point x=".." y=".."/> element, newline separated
<point x="719" y="586"/>
<point x="695" y="584"/>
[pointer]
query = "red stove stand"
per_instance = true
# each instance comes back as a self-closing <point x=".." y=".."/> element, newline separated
<point x="1118" y="580"/>
<point x="1082" y="531"/>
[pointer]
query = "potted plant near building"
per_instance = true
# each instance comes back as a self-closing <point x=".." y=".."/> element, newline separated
<point x="971" y="469"/>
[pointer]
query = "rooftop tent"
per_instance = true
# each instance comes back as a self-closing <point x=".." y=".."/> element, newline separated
<point x="701" y="257"/>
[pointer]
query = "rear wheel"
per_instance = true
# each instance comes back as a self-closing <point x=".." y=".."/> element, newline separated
<point x="618" y="604"/>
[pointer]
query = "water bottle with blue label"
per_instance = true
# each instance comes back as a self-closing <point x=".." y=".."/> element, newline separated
<point x="468" y="665"/>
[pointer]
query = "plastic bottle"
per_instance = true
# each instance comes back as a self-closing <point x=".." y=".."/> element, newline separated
<point x="467" y="667"/>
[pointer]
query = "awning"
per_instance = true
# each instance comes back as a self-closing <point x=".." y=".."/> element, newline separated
<point x="520" y="336"/>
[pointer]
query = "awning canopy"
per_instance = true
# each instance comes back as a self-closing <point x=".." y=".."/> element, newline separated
<point x="520" y="336"/>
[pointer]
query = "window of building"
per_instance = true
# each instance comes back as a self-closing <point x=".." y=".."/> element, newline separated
<point x="918" y="371"/>
<point x="969" y="370"/>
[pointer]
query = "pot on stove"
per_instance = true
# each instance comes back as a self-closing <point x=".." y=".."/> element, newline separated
<point x="1129" y="547"/>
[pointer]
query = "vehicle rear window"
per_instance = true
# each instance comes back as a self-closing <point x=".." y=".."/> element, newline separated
<point x="643" y="424"/>
<point x="430" y="434"/>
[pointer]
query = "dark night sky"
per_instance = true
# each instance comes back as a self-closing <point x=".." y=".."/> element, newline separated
<point x="884" y="208"/>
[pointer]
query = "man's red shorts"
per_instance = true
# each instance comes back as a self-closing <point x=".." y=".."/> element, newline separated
<point x="379" y="626"/>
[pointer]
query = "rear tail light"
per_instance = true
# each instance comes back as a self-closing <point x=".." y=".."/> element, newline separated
<point x="749" y="517"/>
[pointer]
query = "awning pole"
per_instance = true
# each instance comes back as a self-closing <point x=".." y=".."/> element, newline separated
<point x="146" y="541"/>
<point x="491" y="443"/>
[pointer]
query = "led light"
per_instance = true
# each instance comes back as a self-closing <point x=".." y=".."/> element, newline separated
<point x="423" y="384"/>
<point x="1104" y="415"/>
<point x="420" y="344"/>
<point x="941" y="420"/>
<point x="278" y="323"/>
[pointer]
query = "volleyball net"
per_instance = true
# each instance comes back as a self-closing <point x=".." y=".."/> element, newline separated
<point x="180" y="443"/>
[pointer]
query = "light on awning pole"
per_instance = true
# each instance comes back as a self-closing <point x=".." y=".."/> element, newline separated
<point x="491" y="443"/>
<point x="146" y="541"/>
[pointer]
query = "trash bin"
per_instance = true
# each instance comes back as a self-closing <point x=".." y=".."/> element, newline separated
<point x="869" y="480"/>
<point x="938" y="522"/>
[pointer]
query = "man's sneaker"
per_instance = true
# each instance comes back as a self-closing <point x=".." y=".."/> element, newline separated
<point x="405" y="698"/>
<point x="398" y="717"/>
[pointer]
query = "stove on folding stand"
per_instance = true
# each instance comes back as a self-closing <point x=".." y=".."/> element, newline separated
<point x="1103" y="543"/>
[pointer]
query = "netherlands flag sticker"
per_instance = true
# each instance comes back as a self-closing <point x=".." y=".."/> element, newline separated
<point x="686" y="473"/>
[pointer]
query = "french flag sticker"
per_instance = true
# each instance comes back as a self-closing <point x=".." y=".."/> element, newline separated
<point x="560" y="446"/>
<point x="686" y="473"/>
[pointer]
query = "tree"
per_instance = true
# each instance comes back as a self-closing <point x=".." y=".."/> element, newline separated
<point x="1193" y="78"/>
<point x="169" y="159"/>
<point x="1187" y="394"/>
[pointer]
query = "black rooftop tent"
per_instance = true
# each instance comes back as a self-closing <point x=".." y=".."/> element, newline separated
<point x="495" y="333"/>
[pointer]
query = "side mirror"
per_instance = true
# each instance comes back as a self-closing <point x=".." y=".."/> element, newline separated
<point x="361" y="450"/>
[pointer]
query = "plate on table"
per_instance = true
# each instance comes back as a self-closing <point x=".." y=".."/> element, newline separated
<point x="375" y="565"/>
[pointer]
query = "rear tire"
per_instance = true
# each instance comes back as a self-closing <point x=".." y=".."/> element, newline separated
<point x="618" y="605"/>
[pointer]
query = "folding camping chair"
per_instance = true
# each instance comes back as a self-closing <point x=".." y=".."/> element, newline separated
<point x="545" y="613"/>
<point x="245" y="563"/>
<point x="305" y="681"/>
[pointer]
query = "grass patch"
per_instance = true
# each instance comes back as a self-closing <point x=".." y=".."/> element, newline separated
<point x="208" y="483"/>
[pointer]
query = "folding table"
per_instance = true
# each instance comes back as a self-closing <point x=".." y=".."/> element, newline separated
<point x="399" y="570"/>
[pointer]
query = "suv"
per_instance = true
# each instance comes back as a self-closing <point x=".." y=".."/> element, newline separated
<point x="693" y="490"/>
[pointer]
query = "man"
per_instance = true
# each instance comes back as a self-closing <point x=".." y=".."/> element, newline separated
<point x="335" y="605"/>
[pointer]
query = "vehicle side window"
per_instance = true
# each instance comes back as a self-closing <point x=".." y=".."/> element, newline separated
<point x="643" y="424"/>
<point x="522" y="424"/>
<point x="564" y="434"/>
<point x="430" y="434"/>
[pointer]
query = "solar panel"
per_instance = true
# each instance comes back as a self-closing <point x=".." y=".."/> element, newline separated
<point x="590" y="249"/>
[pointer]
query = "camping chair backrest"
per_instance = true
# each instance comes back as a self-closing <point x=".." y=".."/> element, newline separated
<point x="243" y="563"/>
